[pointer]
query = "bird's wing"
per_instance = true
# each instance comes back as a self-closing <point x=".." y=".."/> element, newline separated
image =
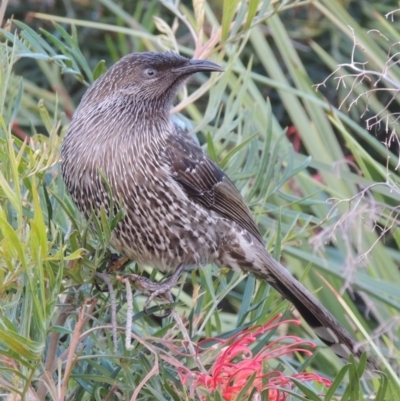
<point x="205" y="183"/>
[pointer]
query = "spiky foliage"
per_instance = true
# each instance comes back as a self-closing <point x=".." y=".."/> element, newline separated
<point x="55" y="324"/>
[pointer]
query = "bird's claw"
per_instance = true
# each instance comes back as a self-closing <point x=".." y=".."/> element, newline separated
<point x="116" y="263"/>
<point x="154" y="290"/>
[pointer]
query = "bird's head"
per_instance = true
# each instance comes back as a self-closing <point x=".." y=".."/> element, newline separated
<point x="149" y="78"/>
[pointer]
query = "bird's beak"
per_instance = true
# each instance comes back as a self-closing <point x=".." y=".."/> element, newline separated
<point x="198" y="66"/>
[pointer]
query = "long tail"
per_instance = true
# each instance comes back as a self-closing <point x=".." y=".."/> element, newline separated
<point x="324" y="324"/>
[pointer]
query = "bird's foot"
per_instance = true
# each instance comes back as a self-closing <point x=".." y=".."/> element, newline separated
<point x="154" y="290"/>
<point x="116" y="263"/>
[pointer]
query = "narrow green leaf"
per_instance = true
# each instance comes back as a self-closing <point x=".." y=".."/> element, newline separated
<point x="32" y="37"/>
<point x="384" y="385"/>
<point x="198" y="7"/>
<point x="251" y="13"/>
<point x="310" y="394"/>
<point x="44" y="114"/>
<point x="99" y="70"/>
<point x="17" y="101"/>
<point x="210" y="148"/>
<point x="236" y="149"/>
<point x="246" y="388"/>
<point x="56" y="42"/>
<point x="40" y="231"/>
<point x="12" y="239"/>
<point x="228" y="12"/>
<point x="246" y="300"/>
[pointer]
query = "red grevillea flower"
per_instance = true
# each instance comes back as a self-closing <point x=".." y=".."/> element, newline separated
<point x="235" y="363"/>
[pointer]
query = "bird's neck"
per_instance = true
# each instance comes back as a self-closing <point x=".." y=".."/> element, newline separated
<point x="126" y="119"/>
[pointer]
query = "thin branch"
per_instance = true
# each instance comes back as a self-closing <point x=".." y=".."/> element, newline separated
<point x="3" y="7"/>
<point x="75" y="340"/>
<point x="106" y="278"/>
<point x="51" y="357"/>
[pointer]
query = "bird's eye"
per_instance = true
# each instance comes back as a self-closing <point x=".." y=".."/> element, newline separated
<point x="150" y="72"/>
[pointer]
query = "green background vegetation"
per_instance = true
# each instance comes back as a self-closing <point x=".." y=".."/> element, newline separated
<point x="323" y="189"/>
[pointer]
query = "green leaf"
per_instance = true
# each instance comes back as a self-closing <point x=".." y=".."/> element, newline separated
<point x="247" y="387"/>
<point x="383" y="388"/>
<point x="99" y="70"/>
<point x="246" y="300"/>
<point x="11" y="239"/>
<point x="210" y="148"/>
<point x="45" y="116"/>
<point x="310" y="394"/>
<point x="251" y="13"/>
<point x="228" y="12"/>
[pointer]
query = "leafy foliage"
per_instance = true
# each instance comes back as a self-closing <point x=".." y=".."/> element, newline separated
<point x="326" y="204"/>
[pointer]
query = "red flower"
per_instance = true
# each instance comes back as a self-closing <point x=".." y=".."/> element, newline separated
<point x="234" y="366"/>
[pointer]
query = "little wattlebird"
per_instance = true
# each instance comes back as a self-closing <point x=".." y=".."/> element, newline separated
<point x="179" y="207"/>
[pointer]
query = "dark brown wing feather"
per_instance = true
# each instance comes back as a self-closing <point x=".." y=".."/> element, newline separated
<point x="205" y="183"/>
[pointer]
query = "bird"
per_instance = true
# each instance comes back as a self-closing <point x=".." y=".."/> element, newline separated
<point x="179" y="207"/>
